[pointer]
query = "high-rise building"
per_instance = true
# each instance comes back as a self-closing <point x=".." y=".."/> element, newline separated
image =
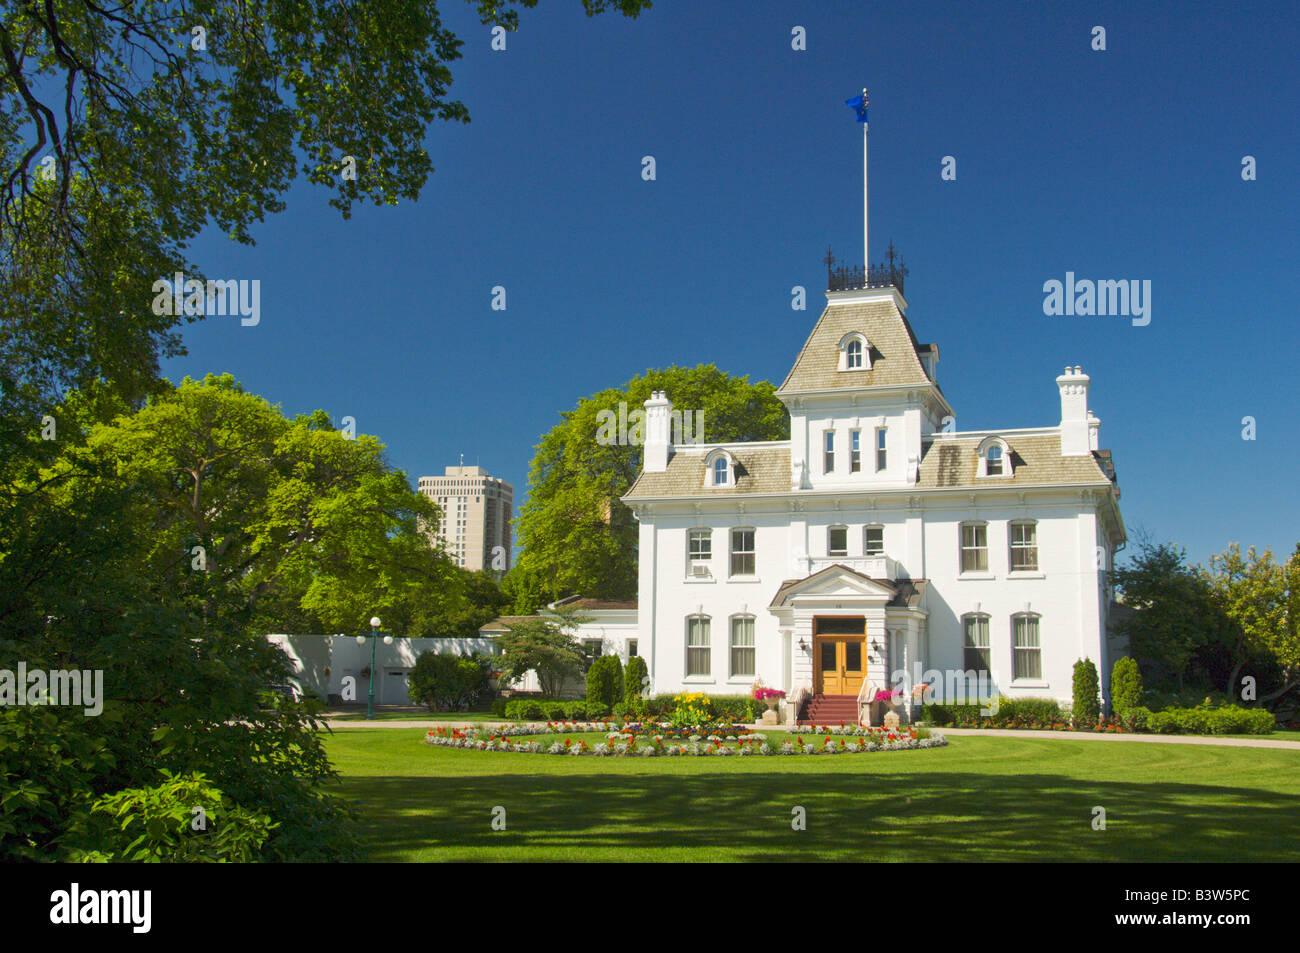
<point x="477" y="510"/>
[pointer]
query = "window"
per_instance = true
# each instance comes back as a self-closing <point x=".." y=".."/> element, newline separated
<point x="720" y="471"/>
<point x="855" y="352"/>
<point x="1027" y="654"/>
<point x="828" y="458"/>
<point x="742" y="646"/>
<point x="742" y="552"/>
<point x="873" y="541"/>
<point x="853" y="355"/>
<point x="855" y="451"/>
<point x="697" y="645"/>
<point x="974" y="547"/>
<point x="995" y="457"/>
<point x="592" y="647"/>
<point x="977" y="656"/>
<point x="631" y="648"/>
<point x="1024" y="547"/>
<point x="837" y="541"/>
<point x="880" y="449"/>
<point x="699" y="546"/>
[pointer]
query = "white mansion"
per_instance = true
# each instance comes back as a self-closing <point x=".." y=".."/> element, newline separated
<point x="875" y="542"/>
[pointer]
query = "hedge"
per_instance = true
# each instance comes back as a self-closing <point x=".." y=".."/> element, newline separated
<point x="535" y="709"/>
<point x="1011" y="713"/>
<point x="1230" y="720"/>
<point x="739" y="707"/>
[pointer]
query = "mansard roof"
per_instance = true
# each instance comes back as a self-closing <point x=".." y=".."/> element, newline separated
<point x="946" y="463"/>
<point x="761" y="468"/>
<point x="1036" y="458"/>
<point x="895" y="361"/>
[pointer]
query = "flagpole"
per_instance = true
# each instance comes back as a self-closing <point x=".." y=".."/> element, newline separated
<point x="866" y="245"/>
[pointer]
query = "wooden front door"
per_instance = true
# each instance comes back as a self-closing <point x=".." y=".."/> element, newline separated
<point x="839" y="666"/>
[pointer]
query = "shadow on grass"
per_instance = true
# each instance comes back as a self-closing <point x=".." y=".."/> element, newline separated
<point x="934" y="816"/>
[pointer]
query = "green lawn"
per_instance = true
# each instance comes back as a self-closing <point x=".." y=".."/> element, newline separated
<point x="424" y="715"/>
<point x="977" y="799"/>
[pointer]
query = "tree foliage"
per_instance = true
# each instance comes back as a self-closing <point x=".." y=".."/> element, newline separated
<point x="545" y="646"/>
<point x="1174" y="612"/>
<point x="449" y="682"/>
<point x="127" y="129"/>
<point x="576" y="535"/>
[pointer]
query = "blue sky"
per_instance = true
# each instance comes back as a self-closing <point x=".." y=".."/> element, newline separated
<point x="1122" y="164"/>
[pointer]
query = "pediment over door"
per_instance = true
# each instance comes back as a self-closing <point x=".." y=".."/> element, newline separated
<point x="835" y="583"/>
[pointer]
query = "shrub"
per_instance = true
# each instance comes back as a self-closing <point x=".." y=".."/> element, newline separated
<point x="155" y="825"/>
<point x="596" y="709"/>
<point x="605" y="680"/>
<point x="1125" y="685"/>
<point x="621" y="710"/>
<point x="1087" y="690"/>
<point x="1229" y="720"/>
<point x="555" y="711"/>
<point x="575" y="711"/>
<point x="448" y="682"/>
<point x="1135" y="718"/>
<point x="499" y="707"/>
<point x="635" y="677"/>
<point x="525" y="709"/>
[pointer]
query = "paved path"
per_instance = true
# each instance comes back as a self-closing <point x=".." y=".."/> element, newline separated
<point x="1247" y="741"/>
<point x="1237" y="741"/>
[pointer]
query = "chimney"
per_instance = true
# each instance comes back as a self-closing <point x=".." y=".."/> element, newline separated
<point x="658" y="445"/>
<point x="1077" y="428"/>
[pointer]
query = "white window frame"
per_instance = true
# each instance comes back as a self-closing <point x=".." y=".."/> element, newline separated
<point x="711" y="470"/>
<point x="855" y="450"/>
<point x="1034" y="651"/>
<point x="866" y="544"/>
<point x="882" y="449"/>
<point x="987" y="445"/>
<point x="1021" y="546"/>
<point x="733" y="552"/>
<point x="701" y="554"/>
<point x="847" y="342"/>
<point x="828" y="450"/>
<point x="733" y="647"/>
<point x="696" y="624"/>
<point x="981" y="619"/>
<point x="962" y="548"/>
<point x="830" y="546"/>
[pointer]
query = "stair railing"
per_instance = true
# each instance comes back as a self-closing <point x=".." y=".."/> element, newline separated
<point x="794" y="704"/>
<point x="867" y="687"/>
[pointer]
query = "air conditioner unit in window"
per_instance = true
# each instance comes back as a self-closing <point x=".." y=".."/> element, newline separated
<point x="700" y="569"/>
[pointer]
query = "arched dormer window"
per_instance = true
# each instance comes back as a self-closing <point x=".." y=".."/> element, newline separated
<point x="855" y="352"/>
<point x="995" y="458"/>
<point x="719" y="469"/>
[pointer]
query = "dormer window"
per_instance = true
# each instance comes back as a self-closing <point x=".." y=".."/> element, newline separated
<point x="855" y="352"/>
<point x="995" y="458"/>
<point x="853" y="355"/>
<point x="719" y="469"/>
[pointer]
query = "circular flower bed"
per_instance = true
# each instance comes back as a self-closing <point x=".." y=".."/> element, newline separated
<point x="650" y="745"/>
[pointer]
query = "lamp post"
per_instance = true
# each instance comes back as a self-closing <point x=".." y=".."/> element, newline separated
<point x="361" y="640"/>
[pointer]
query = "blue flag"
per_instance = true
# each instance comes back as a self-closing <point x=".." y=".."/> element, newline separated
<point x="859" y="103"/>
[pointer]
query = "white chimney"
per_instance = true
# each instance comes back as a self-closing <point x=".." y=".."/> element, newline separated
<point x="658" y="445"/>
<point x="1076" y="426"/>
<point x="1094" y="432"/>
